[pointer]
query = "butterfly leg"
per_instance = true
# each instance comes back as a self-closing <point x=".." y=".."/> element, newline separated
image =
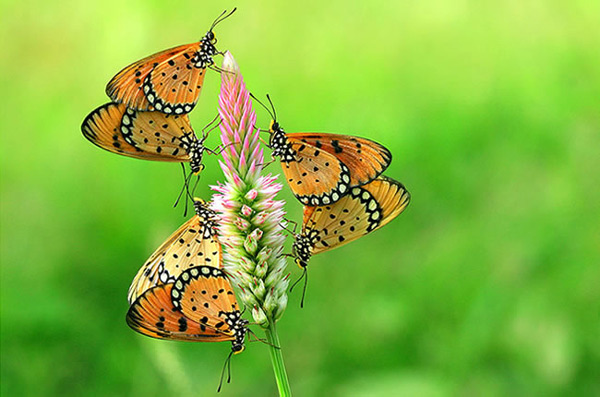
<point x="293" y="222"/>
<point x="219" y="70"/>
<point x="260" y="340"/>
<point x="210" y="127"/>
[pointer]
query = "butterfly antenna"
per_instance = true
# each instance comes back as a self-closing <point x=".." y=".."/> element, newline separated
<point x="305" y="277"/>
<point x="304" y="288"/>
<point x="221" y="18"/>
<point x="297" y="281"/>
<point x="272" y="107"/>
<point x="226" y="365"/>
<point x="263" y="105"/>
<point x="191" y="196"/>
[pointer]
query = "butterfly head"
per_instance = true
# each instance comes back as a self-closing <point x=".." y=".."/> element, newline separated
<point x="275" y="127"/>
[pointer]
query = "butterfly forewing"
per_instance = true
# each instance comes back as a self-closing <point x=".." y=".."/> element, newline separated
<point x="365" y="159"/>
<point x="362" y="211"/>
<point x="153" y="314"/>
<point x="204" y="295"/>
<point x="391" y="196"/>
<point x="142" y="84"/>
<point x="194" y="243"/>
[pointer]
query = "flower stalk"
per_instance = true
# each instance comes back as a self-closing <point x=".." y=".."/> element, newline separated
<point x="251" y="216"/>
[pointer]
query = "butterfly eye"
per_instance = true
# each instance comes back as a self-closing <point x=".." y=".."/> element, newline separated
<point x="210" y="36"/>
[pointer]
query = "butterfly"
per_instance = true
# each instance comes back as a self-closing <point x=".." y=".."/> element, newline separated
<point x="195" y="243"/>
<point x="321" y="168"/>
<point x="365" y="209"/>
<point x="168" y="81"/>
<point x="145" y="135"/>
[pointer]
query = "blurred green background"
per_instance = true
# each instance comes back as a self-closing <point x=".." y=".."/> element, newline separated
<point x="489" y="283"/>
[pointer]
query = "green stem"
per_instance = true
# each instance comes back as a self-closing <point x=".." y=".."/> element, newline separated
<point x="277" y="360"/>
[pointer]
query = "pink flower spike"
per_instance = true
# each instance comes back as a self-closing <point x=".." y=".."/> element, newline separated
<point x="247" y="201"/>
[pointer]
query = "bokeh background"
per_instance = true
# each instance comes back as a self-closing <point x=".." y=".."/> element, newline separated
<point x="489" y="283"/>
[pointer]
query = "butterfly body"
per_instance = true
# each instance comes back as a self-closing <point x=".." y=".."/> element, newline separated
<point x="362" y="211"/>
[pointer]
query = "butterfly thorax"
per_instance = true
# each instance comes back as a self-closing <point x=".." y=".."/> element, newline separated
<point x="303" y="246"/>
<point x="280" y="145"/>
<point x="204" y="57"/>
<point x="196" y="151"/>
<point x="240" y="328"/>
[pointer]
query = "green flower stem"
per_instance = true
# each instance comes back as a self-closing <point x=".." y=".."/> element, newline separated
<point x="277" y="360"/>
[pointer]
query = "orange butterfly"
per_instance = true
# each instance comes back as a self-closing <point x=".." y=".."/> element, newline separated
<point x="321" y="168"/>
<point x="145" y="135"/>
<point x="168" y="81"/>
<point x="195" y="243"/>
<point x="199" y="306"/>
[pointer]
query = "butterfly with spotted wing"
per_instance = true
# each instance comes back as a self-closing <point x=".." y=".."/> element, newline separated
<point x="169" y="81"/>
<point x="199" y="306"/>
<point x="145" y="135"/>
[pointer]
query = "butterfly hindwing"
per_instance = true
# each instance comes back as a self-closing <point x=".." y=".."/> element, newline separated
<point x="195" y="243"/>
<point x="203" y="290"/>
<point x="129" y="85"/>
<point x="205" y="295"/>
<point x="154" y="315"/>
<point x="365" y="159"/>
<point x="364" y="210"/>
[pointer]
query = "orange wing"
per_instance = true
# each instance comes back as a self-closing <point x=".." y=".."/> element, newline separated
<point x="365" y="159"/>
<point x="144" y="135"/>
<point x="102" y="127"/>
<point x="315" y="177"/>
<point x="149" y="83"/>
<point x="154" y="315"/>
<point x="205" y="291"/>
<point x="194" y="243"/>
<point x="364" y="210"/>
